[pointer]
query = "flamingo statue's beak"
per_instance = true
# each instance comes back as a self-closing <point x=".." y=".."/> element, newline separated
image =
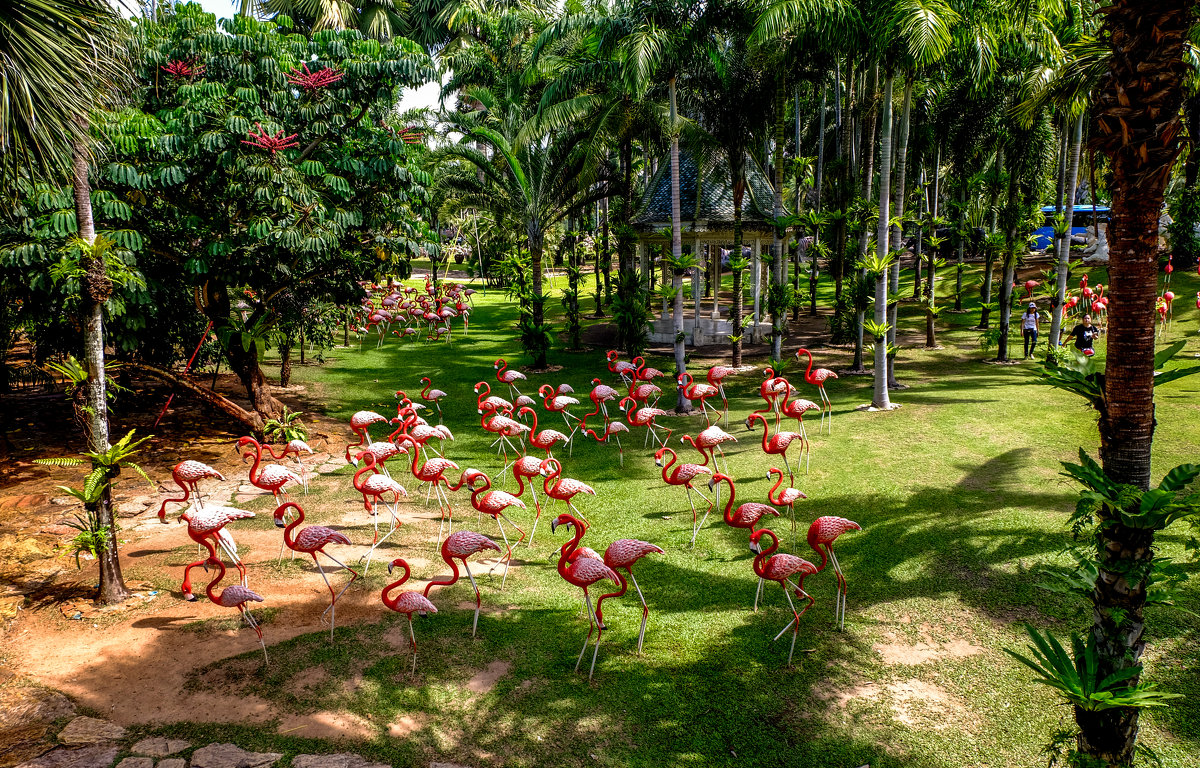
<point x="279" y="523"/>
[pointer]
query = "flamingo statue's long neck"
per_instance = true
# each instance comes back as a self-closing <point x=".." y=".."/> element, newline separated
<point x="288" y="538"/>
<point x="630" y="410"/>
<point x="362" y="438"/>
<point x="212" y="585"/>
<point x="772" y="496"/>
<point x="476" y="498"/>
<point x="668" y="464"/>
<point x="187" y="493"/>
<point x="729" y="503"/>
<point x="394" y="602"/>
<point x="808" y="371"/>
<point x="554" y="475"/>
<point x="487" y="391"/>
<point x="568" y="548"/>
<point x="368" y="466"/>
<point x="760" y="560"/>
<point x="446" y="556"/>
<point x="416" y="454"/>
<point x="692" y="442"/>
<point x="424" y="396"/>
<point x="257" y="461"/>
<point x="534" y="414"/>
<point x="758" y="417"/>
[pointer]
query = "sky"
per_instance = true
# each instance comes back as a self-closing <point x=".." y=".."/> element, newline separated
<point x="425" y="96"/>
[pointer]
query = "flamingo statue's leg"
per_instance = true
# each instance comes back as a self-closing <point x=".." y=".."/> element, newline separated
<point x="571" y="506"/>
<point x="645" y="610"/>
<point x="758" y="593"/>
<point x="591" y="624"/>
<point x="595" y="650"/>
<point x="620" y="451"/>
<point x="478" y="600"/>
<point x="254" y="625"/>
<point x="507" y="551"/>
<point x="840" y="608"/>
<point x="413" y="637"/>
<point x="537" y="506"/>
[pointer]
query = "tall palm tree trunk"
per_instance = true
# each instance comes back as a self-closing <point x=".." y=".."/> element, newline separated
<point x="682" y="404"/>
<point x="96" y="290"/>
<point x="880" y="398"/>
<point x="1064" y="243"/>
<point x="779" y="267"/>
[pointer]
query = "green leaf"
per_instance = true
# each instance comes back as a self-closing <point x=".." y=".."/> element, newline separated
<point x="1180" y="477"/>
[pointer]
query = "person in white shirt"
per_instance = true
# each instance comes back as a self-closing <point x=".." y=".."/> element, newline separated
<point x="1029" y="328"/>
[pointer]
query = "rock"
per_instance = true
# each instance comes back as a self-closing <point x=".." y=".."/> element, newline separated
<point x="231" y="756"/>
<point x="25" y="716"/>
<point x="10" y="606"/>
<point x="95" y="756"/>
<point x="136" y="762"/>
<point x="174" y="762"/>
<point x="341" y="760"/>
<point x="90" y="730"/>
<point x="157" y="746"/>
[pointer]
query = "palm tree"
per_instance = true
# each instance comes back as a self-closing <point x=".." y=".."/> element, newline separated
<point x="59" y="61"/>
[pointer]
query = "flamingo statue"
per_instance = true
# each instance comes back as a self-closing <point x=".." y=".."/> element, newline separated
<point x="509" y="376"/>
<point x="460" y="546"/>
<point x="311" y="540"/>
<point x="583" y="572"/>
<point x="784" y="497"/>
<point x="493" y="503"/>
<point x="643" y="372"/>
<point x="781" y="568"/>
<point x="206" y="527"/>
<point x="293" y="448"/>
<point x="747" y="516"/>
<point x="696" y="391"/>
<point x="675" y="473"/>
<point x="434" y="396"/>
<point x="558" y="402"/>
<point x="359" y="423"/>
<point x="644" y="417"/>
<point x="407" y="602"/>
<point x="600" y="395"/>
<point x="564" y="488"/>
<point x="777" y="443"/>
<point x="620" y="367"/>
<point x="433" y="471"/>
<point x="821" y="535"/>
<point x="377" y="486"/>
<point x="187" y="475"/>
<point x="272" y="477"/>
<point x="708" y="442"/>
<point x="817" y="378"/>
<point x="235" y="596"/>
<point x="771" y="390"/>
<point x="622" y="554"/>
<point x="486" y="401"/>
<point x="716" y="378"/>
<point x="795" y="409"/>
<point x="546" y="439"/>
<point x="612" y="429"/>
<point x="527" y="468"/>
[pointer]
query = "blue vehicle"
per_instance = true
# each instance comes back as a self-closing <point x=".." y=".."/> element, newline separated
<point x="1080" y="221"/>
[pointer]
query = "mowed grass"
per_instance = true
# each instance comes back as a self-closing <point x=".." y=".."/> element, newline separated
<point x="961" y="503"/>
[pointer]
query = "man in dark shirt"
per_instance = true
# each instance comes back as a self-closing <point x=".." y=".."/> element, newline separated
<point x="1085" y="334"/>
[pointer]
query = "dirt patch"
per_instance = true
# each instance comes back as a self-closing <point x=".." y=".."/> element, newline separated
<point x="919" y="704"/>
<point x="328" y="725"/>
<point x="897" y="652"/>
<point x="406" y="725"/>
<point x="308" y="682"/>
<point x="486" y="679"/>
<point x="839" y="698"/>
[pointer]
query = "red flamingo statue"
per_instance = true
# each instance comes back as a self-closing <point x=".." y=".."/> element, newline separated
<point x="817" y="378"/>
<point x="407" y="602"/>
<point x="675" y="473"/>
<point x="747" y="516"/>
<point x="546" y="439"/>
<point x="583" y="572"/>
<point x="695" y="391"/>
<point x="643" y="372"/>
<point x="529" y="468"/>
<point x="623" y="369"/>
<point x="622" y="554"/>
<point x="509" y="376"/>
<point x="821" y="535"/>
<point x="433" y="471"/>
<point x="376" y="487"/>
<point x="434" y="396"/>
<point x="206" y="527"/>
<point x="293" y="448"/>
<point x="564" y="488"/>
<point x="358" y="425"/>
<point x="772" y="390"/>
<point x="644" y="417"/>
<point x="778" y="443"/>
<point x="235" y="596"/>
<point x="485" y="400"/>
<point x="716" y="377"/>
<point x="460" y="546"/>
<point x="493" y="503"/>
<point x="272" y="477"/>
<point x="187" y="475"/>
<point x="781" y="568"/>
<point x="311" y="540"/>
<point x="600" y="395"/>
<point x="784" y="497"/>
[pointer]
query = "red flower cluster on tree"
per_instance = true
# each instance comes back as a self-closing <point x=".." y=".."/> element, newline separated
<point x="313" y="81"/>
<point x="188" y="69"/>
<point x="410" y="135"/>
<point x="264" y="140"/>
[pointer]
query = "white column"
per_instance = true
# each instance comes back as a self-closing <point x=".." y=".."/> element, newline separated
<point x="716" y="289"/>
<point x="757" y="267"/>
<point x="697" y="284"/>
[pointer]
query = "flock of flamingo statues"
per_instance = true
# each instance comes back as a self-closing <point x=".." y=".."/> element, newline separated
<point x="415" y="314"/>
<point x="515" y="426"/>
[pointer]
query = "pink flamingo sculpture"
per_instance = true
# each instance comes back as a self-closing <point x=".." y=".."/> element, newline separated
<point x="695" y="391"/>
<point x="772" y="390"/>
<point x="643" y="372"/>
<point x="377" y="486"/>
<point x="623" y="369"/>
<point x="358" y="425"/>
<point x="708" y="442"/>
<point x="546" y="439"/>
<point x="493" y="503"/>
<point x="206" y="527"/>
<point x="509" y="376"/>
<point x="675" y="473"/>
<point x="187" y="475"/>
<point x="821" y="535"/>
<point x="433" y="471"/>
<point x="795" y="409"/>
<point x="612" y="429"/>
<point x="407" y="602"/>
<point x="564" y="488"/>
<point x="235" y="596"/>
<point x="1030" y="285"/>
<point x="460" y="546"/>
<point x="600" y="395"/>
<point x="311" y="540"/>
<point x="817" y="378"/>
<point x="506" y="428"/>
<point x="781" y="568"/>
<point x="777" y="443"/>
<point x="784" y="497"/>
<point x="583" y="572"/>
<point x="747" y="516"/>
<point x="529" y="468"/>
<point x="644" y="417"/>
<point x="642" y="391"/>
<point x="434" y="396"/>
<point x="486" y="401"/>
<point x="558" y="402"/>
<point x="272" y="477"/>
<point x="293" y="448"/>
<point x="716" y="378"/>
<point x="622" y="554"/>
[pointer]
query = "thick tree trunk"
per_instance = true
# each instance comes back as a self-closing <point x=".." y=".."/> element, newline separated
<point x="539" y="310"/>
<point x="605" y="261"/>
<point x="682" y="404"/>
<point x="96" y="290"/>
<point x="243" y="362"/>
<point x="1064" y="243"/>
<point x="880" y="398"/>
<point x="248" y="419"/>
<point x="989" y="269"/>
<point x="285" y="362"/>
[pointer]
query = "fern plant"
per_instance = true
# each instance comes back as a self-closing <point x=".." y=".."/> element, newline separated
<point x="286" y="428"/>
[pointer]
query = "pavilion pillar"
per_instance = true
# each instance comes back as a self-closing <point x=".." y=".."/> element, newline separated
<point x="716" y="280"/>
<point x="757" y="281"/>
<point x="697" y="284"/>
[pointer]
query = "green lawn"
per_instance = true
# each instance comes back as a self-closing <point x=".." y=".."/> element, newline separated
<point x="961" y="503"/>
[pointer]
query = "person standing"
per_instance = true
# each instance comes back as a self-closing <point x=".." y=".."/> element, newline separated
<point x="1029" y="328"/>
<point x="1085" y="333"/>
